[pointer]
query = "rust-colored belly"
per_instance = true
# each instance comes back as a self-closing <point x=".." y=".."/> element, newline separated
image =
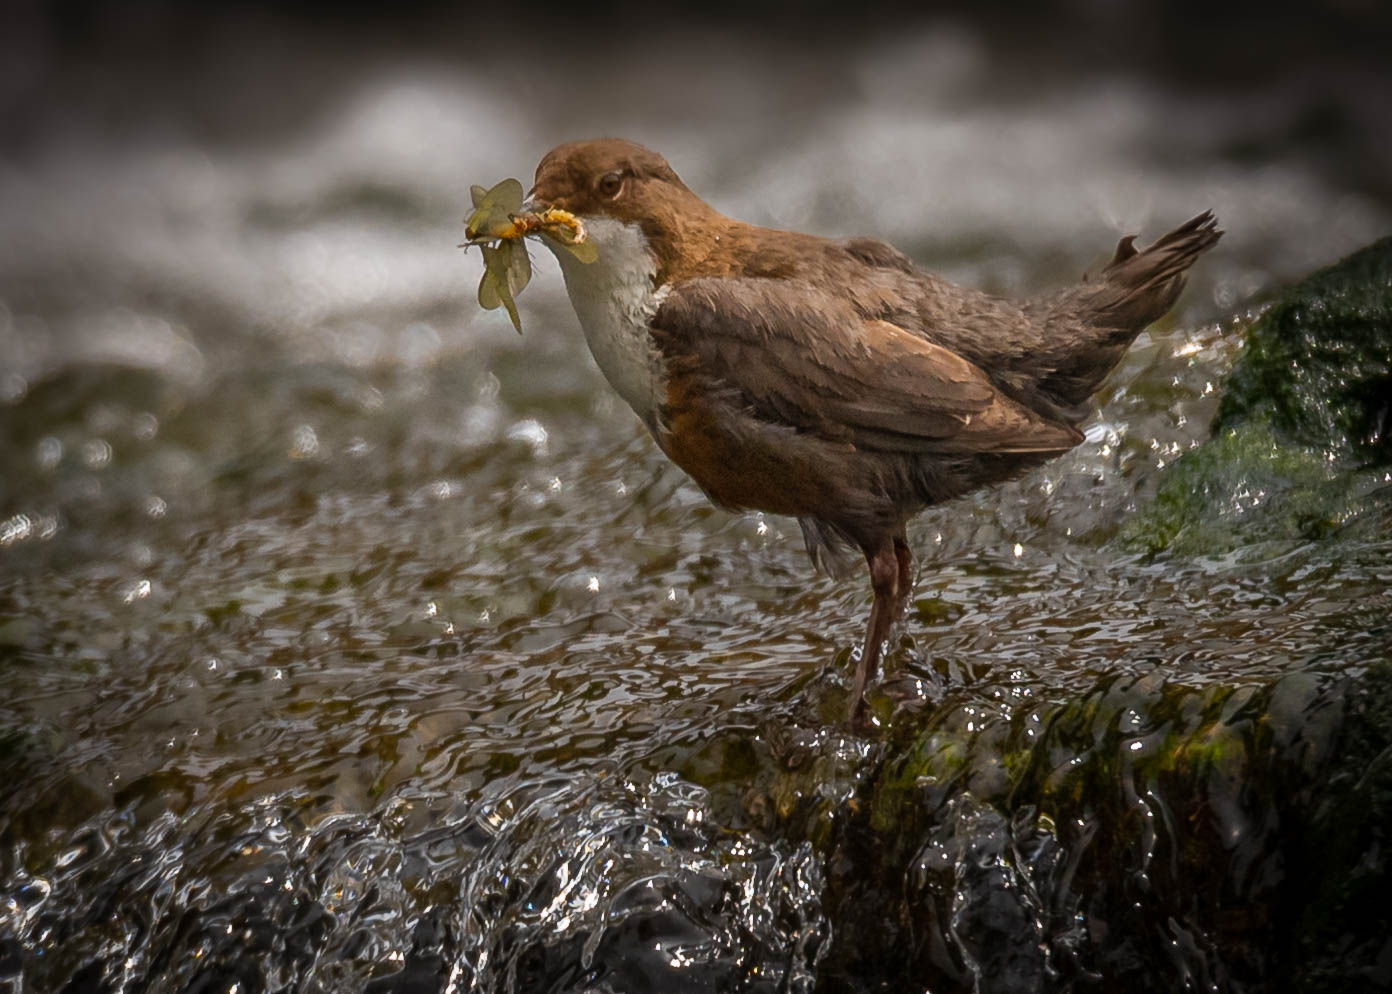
<point x="743" y="463"/>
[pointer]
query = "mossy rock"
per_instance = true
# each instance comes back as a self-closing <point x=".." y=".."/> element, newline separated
<point x="1145" y="835"/>
<point x="1318" y="365"/>
<point x="1303" y="432"/>
<point x="1246" y="487"/>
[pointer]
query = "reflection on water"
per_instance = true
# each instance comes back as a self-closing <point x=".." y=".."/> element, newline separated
<point x="349" y="642"/>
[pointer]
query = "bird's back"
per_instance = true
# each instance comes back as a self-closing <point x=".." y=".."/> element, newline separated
<point x="1050" y="352"/>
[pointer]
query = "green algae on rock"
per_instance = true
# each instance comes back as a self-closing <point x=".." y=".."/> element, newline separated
<point x="1302" y="432"/>
<point x="1146" y="831"/>
<point x="1318" y="365"/>
<point x="1246" y="486"/>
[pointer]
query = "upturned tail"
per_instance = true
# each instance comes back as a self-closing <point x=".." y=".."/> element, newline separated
<point x="1136" y="288"/>
<point x="1097" y="319"/>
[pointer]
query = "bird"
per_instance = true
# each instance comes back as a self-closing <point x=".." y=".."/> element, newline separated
<point x="834" y="380"/>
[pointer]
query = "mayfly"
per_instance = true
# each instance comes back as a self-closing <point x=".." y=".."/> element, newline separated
<point x="498" y="226"/>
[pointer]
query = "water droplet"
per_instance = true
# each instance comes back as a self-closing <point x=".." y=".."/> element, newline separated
<point x="50" y="452"/>
<point x="304" y="443"/>
<point x="531" y="433"/>
<point x="146" y="426"/>
<point x="1019" y="550"/>
<point x="16" y="528"/>
<point x="594" y="585"/>
<point x="96" y="454"/>
<point x="1188" y="348"/>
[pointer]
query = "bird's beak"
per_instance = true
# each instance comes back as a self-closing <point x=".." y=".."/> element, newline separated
<point x="536" y="199"/>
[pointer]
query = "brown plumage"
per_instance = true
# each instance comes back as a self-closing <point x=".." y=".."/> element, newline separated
<point x="833" y="380"/>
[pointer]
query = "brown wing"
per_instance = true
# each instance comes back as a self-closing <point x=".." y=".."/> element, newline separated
<point x="801" y="356"/>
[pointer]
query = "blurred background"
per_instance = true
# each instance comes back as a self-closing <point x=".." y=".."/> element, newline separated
<point x="237" y="180"/>
<point x="313" y="576"/>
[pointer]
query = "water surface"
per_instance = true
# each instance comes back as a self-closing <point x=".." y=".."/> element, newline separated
<point x="348" y="641"/>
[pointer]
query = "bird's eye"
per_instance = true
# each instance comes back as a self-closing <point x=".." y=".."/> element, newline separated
<point x="610" y="184"/>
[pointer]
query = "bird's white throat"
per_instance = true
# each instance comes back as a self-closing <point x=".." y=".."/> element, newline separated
<point x="615" y="299"/>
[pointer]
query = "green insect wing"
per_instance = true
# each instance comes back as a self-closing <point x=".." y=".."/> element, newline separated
<point x="488" y="292"/>
<point x="507" y="268"/>
<point x="493" y="209"/>
<point x="499" y="272"/>
<point x="519" y="265"/>
<point x="506" y="195"/>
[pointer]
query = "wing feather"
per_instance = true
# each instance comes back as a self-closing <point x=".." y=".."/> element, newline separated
<point x="802" y="356"/>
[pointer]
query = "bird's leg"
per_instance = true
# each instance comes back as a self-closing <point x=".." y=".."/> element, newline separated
<point x="884" y="580"/>
<point x="904" y="555"/>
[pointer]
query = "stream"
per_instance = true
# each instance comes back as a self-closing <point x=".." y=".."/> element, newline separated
<point x="349" y="641"/>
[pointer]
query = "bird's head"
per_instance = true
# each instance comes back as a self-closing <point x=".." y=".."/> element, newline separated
<point x="613" y="179"/>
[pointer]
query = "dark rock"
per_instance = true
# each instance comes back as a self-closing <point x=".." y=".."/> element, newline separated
<point x="1302" y="436"/>
<point x="1318" y="365"/>
<point x="1147" y="836"/>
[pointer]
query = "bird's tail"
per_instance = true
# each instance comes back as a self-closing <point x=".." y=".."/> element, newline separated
<point x="1136" y="288"/>
<point x="1107" y="311"/>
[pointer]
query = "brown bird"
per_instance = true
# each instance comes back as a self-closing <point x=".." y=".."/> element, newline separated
<point x="834" y="380"/>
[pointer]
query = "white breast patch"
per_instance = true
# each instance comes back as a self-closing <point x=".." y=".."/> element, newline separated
<point x="615" y="299"/>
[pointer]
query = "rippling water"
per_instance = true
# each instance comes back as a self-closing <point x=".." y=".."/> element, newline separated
<point x="349" y="642"/>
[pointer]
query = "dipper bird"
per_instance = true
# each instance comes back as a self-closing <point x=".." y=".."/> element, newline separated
<point x="834" y="380"/>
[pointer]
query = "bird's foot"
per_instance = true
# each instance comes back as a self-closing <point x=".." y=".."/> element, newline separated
<point x="861" y="719"/>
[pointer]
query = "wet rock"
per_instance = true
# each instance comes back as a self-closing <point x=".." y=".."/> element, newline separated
<point x="1248" y="487"/>
<point x="1148" y="836"/>
<point x="1342" y="929"/>
<point x="1318" y="364"/>
<point x="1303" y="434"/>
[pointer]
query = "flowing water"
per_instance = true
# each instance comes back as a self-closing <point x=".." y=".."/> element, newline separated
<point x="350" y="642"/>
